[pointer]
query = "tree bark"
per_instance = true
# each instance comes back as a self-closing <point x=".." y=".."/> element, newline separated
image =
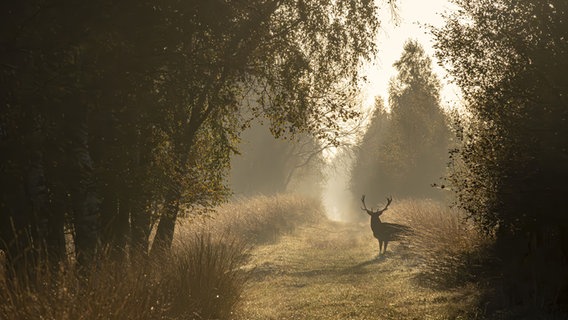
<point x="115" y="210"/>
<point x="165" y="231"/>
<point x="140" y="214"/>
<point x="55" y="236"/>
<point x="25" y="214"/>
<point x="140" y="226"/>
<point x="36" y="196"/>
<point x="85" y="202"/>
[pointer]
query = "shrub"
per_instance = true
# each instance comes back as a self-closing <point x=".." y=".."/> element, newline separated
<point x="449" y="248"/>
<point x="204" y="277"/>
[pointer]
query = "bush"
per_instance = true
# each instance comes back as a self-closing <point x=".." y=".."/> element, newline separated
<point x="205" y="278"/>
<point x="109" y="291"/>
<point x="449" y="248"/>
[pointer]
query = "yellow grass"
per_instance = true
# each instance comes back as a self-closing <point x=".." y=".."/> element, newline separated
<point x="255" y="220"/>
<point x="274" y="258"/>
<point x="447" y="246"/>
<point x="200" y="279"/>
<point x="329" y="270"/>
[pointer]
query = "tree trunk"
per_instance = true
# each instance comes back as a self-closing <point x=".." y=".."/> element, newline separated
<point x="115" y="211"/>
<point x="140" y="214"/>
<point x="140" y="226"/>
<point x="55" y="236"/>
<point x="109" y="210"/>
<point x="16" y="235"/>
<point x="25" y="217"/>
<point x="165" y="232"/>
<point x="85" y="202"/>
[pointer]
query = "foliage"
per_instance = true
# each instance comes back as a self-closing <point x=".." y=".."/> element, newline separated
<point x="448" y="248"/>
<point x="403" y="152"/>
<point x="510" y="172"/>
<point x="200" y="280"/>
<point x="113" y="115"/>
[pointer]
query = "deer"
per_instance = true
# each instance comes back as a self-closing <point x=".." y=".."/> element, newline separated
<point x="384" y="232"/>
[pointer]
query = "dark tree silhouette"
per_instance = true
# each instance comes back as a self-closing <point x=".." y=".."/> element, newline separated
<point x="113" y="115"/>
<point x="510" y="173"/>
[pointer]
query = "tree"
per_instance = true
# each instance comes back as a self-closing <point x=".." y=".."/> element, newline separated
<point x="404" y="152"/>
<point x="373" y="156"/>
<point x="298" y="62"/>
<point x="116" y="114"/>
<point x="510" y="171"/>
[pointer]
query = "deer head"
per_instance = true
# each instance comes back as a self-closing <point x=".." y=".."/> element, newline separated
<point x="371" y="212"/>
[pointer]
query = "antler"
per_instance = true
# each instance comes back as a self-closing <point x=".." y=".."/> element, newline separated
<point x="389" y="200"/>
<point x="364" y="206"/>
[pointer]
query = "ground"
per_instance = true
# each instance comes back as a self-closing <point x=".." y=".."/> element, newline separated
<point x="330" y="270"/>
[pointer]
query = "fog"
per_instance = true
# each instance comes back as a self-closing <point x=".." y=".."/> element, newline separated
<point x="269" y="166"/>
<point x="336" y="196"/>
<point x="399" y="157"/>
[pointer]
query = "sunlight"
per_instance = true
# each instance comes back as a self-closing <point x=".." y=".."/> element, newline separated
<point x="411" y="23"/>
<point x="414" y="17"/>
<point x="337" y="198"/>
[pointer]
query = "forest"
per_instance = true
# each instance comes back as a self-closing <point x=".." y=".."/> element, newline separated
<point x="132" y="132"/>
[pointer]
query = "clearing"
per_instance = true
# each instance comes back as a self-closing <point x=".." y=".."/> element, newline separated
<point x="329" y="270"/>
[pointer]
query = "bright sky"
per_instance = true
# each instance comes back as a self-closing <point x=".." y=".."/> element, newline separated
<point x="414" y="16"/>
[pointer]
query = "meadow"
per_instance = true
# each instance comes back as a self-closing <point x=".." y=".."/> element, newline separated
<point x="273" y="258"/>
<point x="330" y="269"/>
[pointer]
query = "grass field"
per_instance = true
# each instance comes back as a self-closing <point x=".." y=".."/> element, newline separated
<point x="330" y="270"/>
<point x="276" y="258"/>
<point x="201" y="278"/>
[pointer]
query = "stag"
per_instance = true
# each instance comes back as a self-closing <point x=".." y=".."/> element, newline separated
<point x="384" y="232"/>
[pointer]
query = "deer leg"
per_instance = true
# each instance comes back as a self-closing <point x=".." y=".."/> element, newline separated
<point x="380" y="245"/>
<point x="386" y="244"/>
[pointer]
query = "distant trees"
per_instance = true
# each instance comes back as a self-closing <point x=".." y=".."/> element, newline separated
<point x="114" y="114"/>
<point x="510" y="59"/>
<point x="403" y="152"/>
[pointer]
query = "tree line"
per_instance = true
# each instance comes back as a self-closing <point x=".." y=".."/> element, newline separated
<point x="404" y="150"/>
<point x="114" y="115"/>
<point x="510" y="170"/>
<point x="507" y="167"/>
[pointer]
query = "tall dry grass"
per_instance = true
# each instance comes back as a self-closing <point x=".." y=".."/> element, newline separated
<point x="255" y="220"/>
<point x="448" y="247"/>
<point x="108" y="292"/>
<point x="200" y="279"/>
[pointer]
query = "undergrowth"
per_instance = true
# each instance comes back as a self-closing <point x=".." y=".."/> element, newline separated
<point x="200" y="278"/>
<point x="255" y="220"/>
<point x="450" y="250"/>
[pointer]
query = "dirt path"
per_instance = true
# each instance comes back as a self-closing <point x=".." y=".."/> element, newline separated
<point x="329" y="271"/>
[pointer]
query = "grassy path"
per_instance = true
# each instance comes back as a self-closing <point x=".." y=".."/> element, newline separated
<point x="329" y="270"/>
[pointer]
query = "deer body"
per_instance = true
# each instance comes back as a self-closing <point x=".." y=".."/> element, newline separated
<point x="384" y="232"/>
